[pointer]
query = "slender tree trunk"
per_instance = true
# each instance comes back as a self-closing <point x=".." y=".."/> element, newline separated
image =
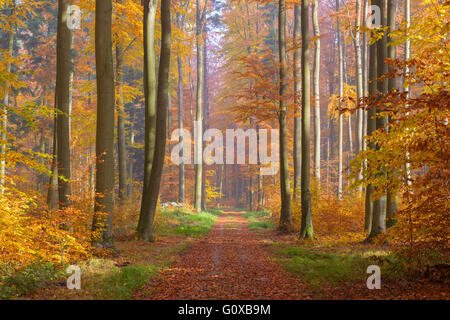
<point x="4" y="111"/>
<point x="306" y="225"/>
<point x="341" y="94"/>
<point x="285" y="214"/>
<point x="359" y="85"/>
<point x="379" y="205"/>
<point x="64" y="76"/>
<point x="161" y="123"/>
<point x="198" y="146"/>
<point x="391" y="199"/>
<point x="364" y="68"/>
<point x="205" y="112"/>
<point x="316" y="93"/>
<point x="131" y="155"/>
<point x="122" y="153"/>
<point x="407" y="57"/>
<point x="371" y="125"/>
<point x="150" y="7"/>
<point x="104" y="185"/>
<point x="359" y="78"/>
<point x="52" y="195"/>
<point x="181" y="196"/>
<point x="297" y="102"/>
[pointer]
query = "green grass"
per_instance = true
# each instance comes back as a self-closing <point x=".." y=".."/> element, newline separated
<point x="17" y="282"/>
<point x="191" y="224"/>
<point x="322" y="266"/>
<point x="257" y="214"/>
<point x="253" y="225"/>
<point x="120" y="284"/>
<point x="258" y="220"/>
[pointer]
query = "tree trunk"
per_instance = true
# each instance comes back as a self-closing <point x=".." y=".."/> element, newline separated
<point x="4" y="109"/>
<point x="364" y="68"/>
<point x="285" y="214"/>
<point x="104" y="185"/>
<point x="306" y="226"/>
<point x="181" y="197"/>
<point x="150" y="104"/>
<point x="131" y="154"/>
<point x="198" y="146"/>
<point x="297" y="102"/>
<point x="205" y="113"/>
<point x="121" y="148"/>
<point x="391" y="199"/>
<point x="371" y="126"/>
<point x="359" y="85"/>
<point x="359" y="78"/>
<point x="64" y="76"/>
<point x="379" y="205"/>
<point x="146" y="232"/>
<point x="406" y="88"/>
<point x="341" y="94"/>
<point x="316" y="93"/>
<point x="52" y="195"/>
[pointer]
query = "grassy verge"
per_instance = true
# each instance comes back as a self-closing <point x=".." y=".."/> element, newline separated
<point x="258" y="220"/>
<point x="318" y="265"/>
<point x="15" y="282"/>
<point x="184" y="222"/>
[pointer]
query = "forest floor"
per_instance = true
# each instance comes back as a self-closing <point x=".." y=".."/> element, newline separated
<point x="241" y="257"/>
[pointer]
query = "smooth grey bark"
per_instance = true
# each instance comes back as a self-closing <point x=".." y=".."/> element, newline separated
<point x="406" y="88"/>
<point x="391" y="198"/>
<point x="52" y="195"/>
<point x="150" y="7"/>
<point x="205" y="112"/>
<point x="131" y="155"/>
<point x="379" y="205"/>
<point x="4" y="110"/>
<point x="306" y="224"/>
<point x="365" y="84"/>
<point x="371" y="125"/>
<point x="285" y="214"/>
<point x="181" y="174"/>
<point x="316" y="92"/>
<point x="359" y="79"/>
<point x="181" y="189"/>
<point x="64" y="77"/>
<point x="200" y="19"/>
<point x="121" y="144"/>
<point x="104" y="148"/>
<point x="161" y="122"/>
<point x="341" y="116"/>
<point x="297" y="101"/>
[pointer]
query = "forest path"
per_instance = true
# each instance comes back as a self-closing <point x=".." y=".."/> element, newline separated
<point x="230" y="262"/>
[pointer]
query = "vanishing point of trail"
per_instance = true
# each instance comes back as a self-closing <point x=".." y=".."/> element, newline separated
<point x="230" y="262"/>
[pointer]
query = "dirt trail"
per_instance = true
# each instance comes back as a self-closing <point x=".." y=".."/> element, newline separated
<point x="229" y="263"/>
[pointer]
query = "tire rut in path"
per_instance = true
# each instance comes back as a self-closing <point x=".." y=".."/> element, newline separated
<point x="228" y="263"/>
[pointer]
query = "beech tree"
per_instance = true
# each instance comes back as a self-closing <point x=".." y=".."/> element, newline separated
<point x="63" y="100"/>
<point x="297" y="94"/>
<point x="146" y="226"/>
<point x="200" y="21"/>
<point x="104" y="149"/>
<point x="285" y="213"/>
<point x="306" y="225"/>
<point x="150" y="7"/>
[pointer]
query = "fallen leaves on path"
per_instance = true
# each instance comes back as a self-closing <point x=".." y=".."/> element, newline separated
<point x="229" y="263"/>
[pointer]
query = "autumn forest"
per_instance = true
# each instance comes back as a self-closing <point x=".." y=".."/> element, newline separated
<point x="224" y="150"/>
